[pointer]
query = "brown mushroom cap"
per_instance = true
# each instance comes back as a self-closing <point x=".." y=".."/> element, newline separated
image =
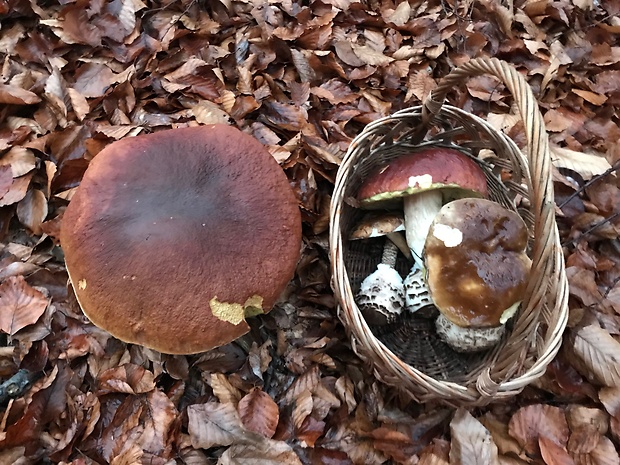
<point x="377" y="225"/>
<point x="428" y="169"/>
<point x="476" y="262"/>
<point x="173" y="238"/>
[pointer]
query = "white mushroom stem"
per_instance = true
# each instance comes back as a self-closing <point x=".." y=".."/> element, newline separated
<point x="420" y="210"/>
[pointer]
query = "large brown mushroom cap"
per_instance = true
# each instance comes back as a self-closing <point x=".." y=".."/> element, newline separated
<point x="476" y="262"/>
<point x="173" y="238"/>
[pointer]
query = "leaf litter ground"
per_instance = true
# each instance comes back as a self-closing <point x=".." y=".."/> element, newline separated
<point x="303" y="78"/>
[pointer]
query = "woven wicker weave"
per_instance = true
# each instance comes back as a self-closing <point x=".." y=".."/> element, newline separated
<point x="408" y="355"/>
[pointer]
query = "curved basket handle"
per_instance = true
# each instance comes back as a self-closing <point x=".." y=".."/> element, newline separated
<point x="539" y="159"/>
<point x="548" y="260"/>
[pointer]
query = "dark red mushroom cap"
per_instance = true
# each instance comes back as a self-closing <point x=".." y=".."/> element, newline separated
<point x="173" y="238"/>
<point x="421" y="171"/>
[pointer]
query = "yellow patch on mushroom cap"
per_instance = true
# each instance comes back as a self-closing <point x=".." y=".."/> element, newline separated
<point x="234" y="313"/>
<point x="82" y="284"/>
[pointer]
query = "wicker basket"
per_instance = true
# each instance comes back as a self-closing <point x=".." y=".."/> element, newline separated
<point x="408" y="355"/>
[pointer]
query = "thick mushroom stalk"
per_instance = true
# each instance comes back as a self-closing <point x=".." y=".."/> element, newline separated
<point x="420" y="210"/>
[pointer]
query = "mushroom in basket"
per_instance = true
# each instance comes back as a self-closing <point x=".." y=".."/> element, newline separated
<point x="477" y="271"/>
<point x="424" y="180"/>
<point x="381" y="296"/>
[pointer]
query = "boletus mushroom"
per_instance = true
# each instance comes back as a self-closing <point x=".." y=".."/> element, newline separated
<point x="477" y="271"/>
<point x="424" y="180"/>
<point x="174" y="238"/>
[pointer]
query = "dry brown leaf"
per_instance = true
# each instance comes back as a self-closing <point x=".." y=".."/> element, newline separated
<point x="128" y="379"/>
<point x="604" y="454"/>
<point x="6" y="179"/>
<point x="533" y="421"/>
<point x="552" y="453"/>
<point x="303" y="407"/>
<point x="20" y="159"/>
<point x="586" y="164"/>
<point x="610" y="398"/>
<point x="436" y="454"/>
<point x="224" y="390"/>
<point x="420" y="85"/>
<point x="158" y="424"/>
<point x="213" y="424"/>
<point x="370" y="56"/>
<point x="13" y="95"/>
<point x="265" y="452"/>
<point x="207" y="112"/>
<point x="345" y="52"/>
<point x="92" y="79"/>
<point x="472" y="443"/>
<point x="78" y="103"/>
<point x="259" y="413"/>
<point x="32" y="210"/>
<point x="306" y="382"/>
<point x="400" y="15"/>
<point x="505" y="443"/>
<point x="592" y="97"/>
<point x="346" y="392"/>
<point x="394" y="444"/>
<point x="599" y="352"/>
<point x="579" y="416"/>
<point x="20" y="305"/>
<point x="583" y="285"/>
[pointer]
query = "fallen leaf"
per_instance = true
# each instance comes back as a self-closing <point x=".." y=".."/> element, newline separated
<point x="213" y="424"/>
<point x="592" y="97"/>
<point x="32" y="210"/>
<point x="265" y="452"/>
<point x="20" y="159"/>
<point x="471" y="442"/>
<point x="128" y="379"/>
<point x="599" y="352"/>
<point x="587" y="165"/>
<point x="533" y="421"/>
<point x="259" y="413"/>
<point x="552" y="453"/>
<point x="13" y="95"/>
<point x="20" y="304"/>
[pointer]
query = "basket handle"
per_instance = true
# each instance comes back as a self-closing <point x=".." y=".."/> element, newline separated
<point x="539" y="159"/>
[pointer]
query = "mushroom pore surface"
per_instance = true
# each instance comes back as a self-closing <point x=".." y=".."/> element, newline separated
<point x="173" y="238"/>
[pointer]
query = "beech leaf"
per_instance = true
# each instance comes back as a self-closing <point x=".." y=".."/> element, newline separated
<point x="17" y="96"/>
<point x="214" y="424"/>
<point x="20" y="304"/>
<point x="471" y="442"/>
<point x="533" y="421"/>
<point x="552" y="453"/>
<point x="259" y="413"/>
<point x="599" y="352"/>
<point x="586" y="164"/>
<point x="264" y="452"/>
<point x="32" y="210"/>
